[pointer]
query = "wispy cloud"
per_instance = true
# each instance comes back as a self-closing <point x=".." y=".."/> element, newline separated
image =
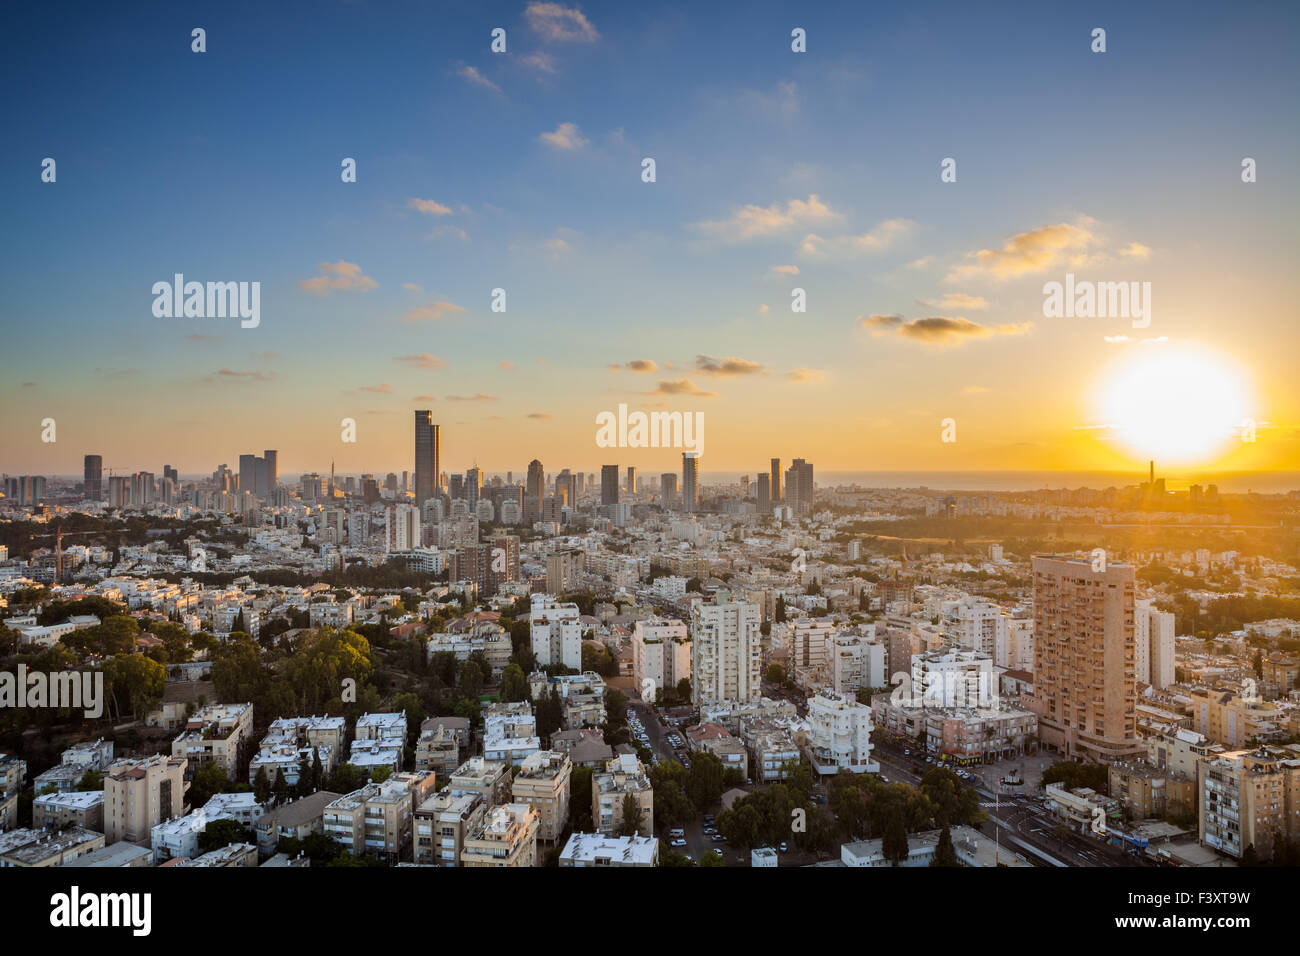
<point x="232" y="375"/>
<point x="476" y="397"/>
<point x="938" y="330"/>
<point x="956" y="300"/>
<point x="785" y="270"/>
<point x="558" y="23"/>
<point x="709" y="365"/>
<point x="566" y="136"/>
<point x="338" y="276"/>
<point x="423" y="360"/>
<point x="637" y="365"/>
<point x="757" y="222"/>
<point x="429" y="207"/>
<point x="884" y="235"/>
<point x="682" y="386"/>
<point x="1028" y="252"/>
<point x="431" y="312"/>
<point x="806" y="376"/>
<point x="541" y="415"/>
<point x="541" y="62"/>
<point x="472" y="74"/>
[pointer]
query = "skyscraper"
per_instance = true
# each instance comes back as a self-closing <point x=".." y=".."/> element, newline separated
<point x="609" y="484"/>
<point x="272" y="470"/>
<point x="765" y="495"/>
<point x="533" y="489"/>
<point x="428" y="463"/>
<point x="668" y="489"/>
<point x="775" y="488"/>
<point x="248" y="473"/>
<point x="473" y="485"/>
<point x="631" y="480"/>
<point x="690" y="475"/>
<point x="94" y="476"/>
<point x="799" y="487"/>
<point x="1084" y="657"/>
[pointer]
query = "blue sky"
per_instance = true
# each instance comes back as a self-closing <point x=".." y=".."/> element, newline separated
<point x="225" y="166"/>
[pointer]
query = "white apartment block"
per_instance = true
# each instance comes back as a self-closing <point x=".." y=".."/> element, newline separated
<point x="856" y="662"/>
<point x="953" y="678"/>
<point x="839" y="735"/>
<point x="1153" y="644"/>
<point x="555" y="632"/>
<point x="661" y="653"/>
<point x="726" y="652"/>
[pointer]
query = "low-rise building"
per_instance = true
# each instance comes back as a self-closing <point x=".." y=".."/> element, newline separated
<point x="377" y="819"/>
<point x="219" y="734"/>
<point x="623" y="777"/>
<point x="295" y="820"/>
<point x="505" y="837"/>
<point x="81" y="809"/>
<point x="441" y="824"/>
<point x="542" y="782"/>
<point x="41" y="847"/>
<point x="601" y="849"/>
<point x="839" y="736"/>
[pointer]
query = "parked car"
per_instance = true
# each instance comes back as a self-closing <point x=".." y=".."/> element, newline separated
<point x="678" y="842"/>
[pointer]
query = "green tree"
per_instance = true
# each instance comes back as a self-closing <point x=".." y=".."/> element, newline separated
<point x="894" y="845"/>
<point x="280" y="787"/>
<point x="945" y="854"/>
<point x="630" y="823"/>
<point x="221" y="833"/>
<point x="262" y="786"/>
<point x="514" y="684"/>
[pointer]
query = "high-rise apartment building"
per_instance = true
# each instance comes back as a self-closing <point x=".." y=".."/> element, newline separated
<point x="1153" y="644"/>
<point x="726" y="652"/>
<point x="765" y="495"/>
<point x="690" y="480"/>
<point x="668" y="489"/>
<point x="140" y="794"/>
<point x="799" y="487"/>
<point x="1084" y="671"/>
<point x="428" y="461"/>
<point x="630" y="487"/>
<point x="609" y="484"/>
<point x="534" y="487"/>
<point x="272" y="471"/>
<point x="775" y="478"/>
<point x="94" y="477"/>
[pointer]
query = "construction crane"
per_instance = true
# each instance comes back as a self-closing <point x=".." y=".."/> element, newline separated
<point x="58" y="537"/>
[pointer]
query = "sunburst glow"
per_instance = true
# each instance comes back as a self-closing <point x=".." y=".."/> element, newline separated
<point x="1181" y="406"/>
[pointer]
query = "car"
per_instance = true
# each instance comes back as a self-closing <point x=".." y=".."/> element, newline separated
<point x="907" y="753"/>
<point x="719" y="838"/>
<point x="678" y="842"/>
<point x="716" y="852"/>
<point x="782" y="848"/>
<point x="677" y="832"/>
<point x="689" y="858"/>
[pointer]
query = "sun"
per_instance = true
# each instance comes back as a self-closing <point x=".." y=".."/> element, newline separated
<point x="1177" y="405"/>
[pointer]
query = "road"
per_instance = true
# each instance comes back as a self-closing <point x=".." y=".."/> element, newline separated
<point x="1018" y="814"/>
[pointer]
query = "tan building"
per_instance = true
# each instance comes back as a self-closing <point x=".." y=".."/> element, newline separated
<point x="490" y="779"/>
<point x="1250" y="798"/>
<point x="1281" y="674"/>
<point x="32" y="848"/>
<point x="506" y="837"/>
<point x="441" y="824"/>
<point x="1084" y="669"/>
<point x="438" y="750"/>
<point x="216" y="734"/>
<point x="542" y="782"/>
<point x="623" y="776"/>
<point x="140" y="794"/>
<point x="1145" y="791"/>
<point x="12" y="772"/>
<point x="717" y="740"/>
<point x="1236" y="722"/>
<point x="377" y="819"/>
<point x="1180" y="751"/>
<point x="77" y="808"/>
